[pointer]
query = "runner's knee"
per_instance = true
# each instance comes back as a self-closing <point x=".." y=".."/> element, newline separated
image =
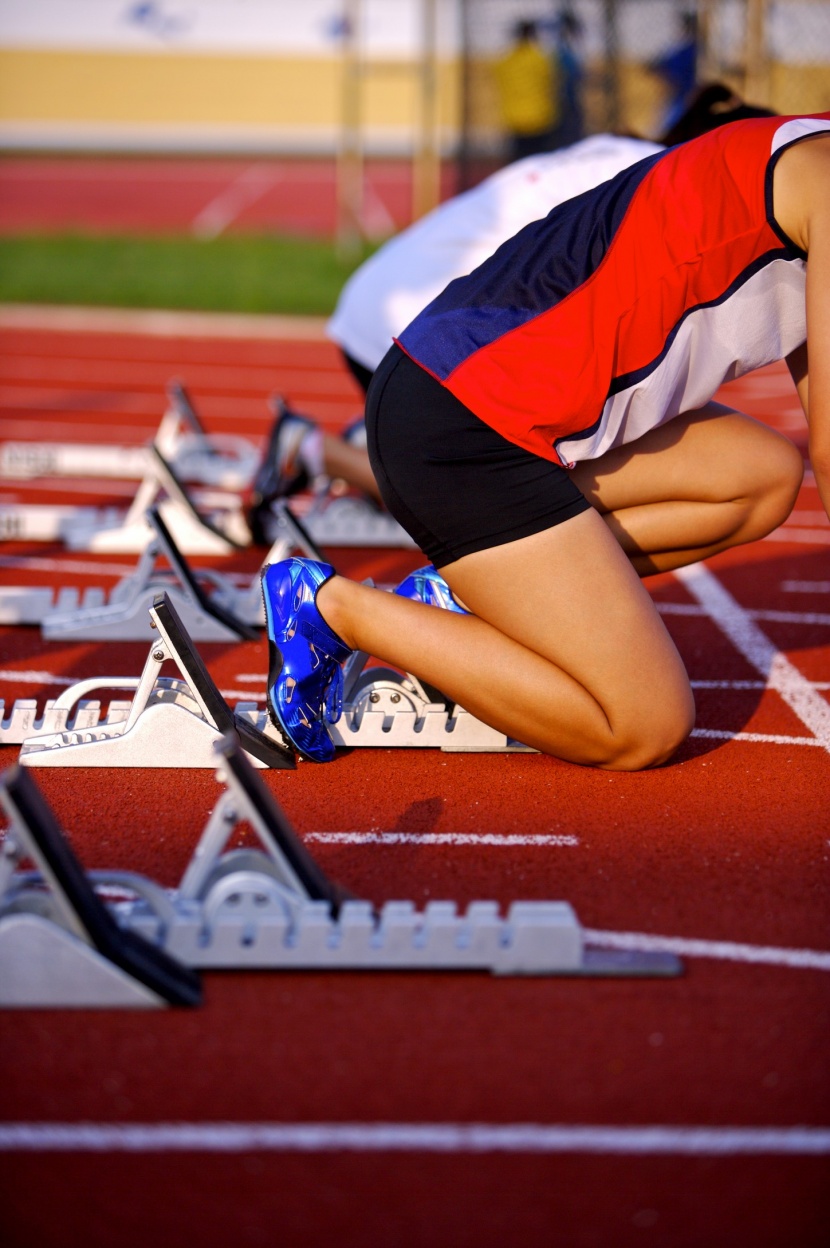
<point x="652" y="737"/>
<point x="776" y="497"/>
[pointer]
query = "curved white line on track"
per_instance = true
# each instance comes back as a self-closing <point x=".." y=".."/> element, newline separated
<point x="441" y="838"/>
<point x="160" y="324"/>
<point x="245" y="189"/>
<point x="722" y="950"/>
<point x="419" y="1137"/>
<point x="811" y="708"/>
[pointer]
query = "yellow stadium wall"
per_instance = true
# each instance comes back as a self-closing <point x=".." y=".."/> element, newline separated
<point x="124" y="99"/>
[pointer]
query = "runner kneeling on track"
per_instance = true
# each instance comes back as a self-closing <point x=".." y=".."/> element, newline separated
<point x="389" y="289"/>
<point x="545" y="431"/>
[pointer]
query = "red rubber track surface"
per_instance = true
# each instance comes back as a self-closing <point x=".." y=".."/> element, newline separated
<point x="156" y="196"/>
<point x="726" y="844"/>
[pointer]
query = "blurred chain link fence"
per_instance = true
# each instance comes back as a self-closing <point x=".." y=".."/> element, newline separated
<point x="629" y="58"/>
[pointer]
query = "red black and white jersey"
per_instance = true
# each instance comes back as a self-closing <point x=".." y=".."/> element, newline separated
<point x="629" y="304"/>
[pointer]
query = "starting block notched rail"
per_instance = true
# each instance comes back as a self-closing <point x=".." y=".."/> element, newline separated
<point x="224" y="461"/>
<point x="170" y="722"/>
<point x="351" y="520"/>
<point x="273" y="908"/>
<point x="217" y="531"/>
<point x="174" y="722"/>
<point x="383" y="707"/>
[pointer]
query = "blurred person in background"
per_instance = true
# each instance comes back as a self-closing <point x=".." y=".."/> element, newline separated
<point x="678" y="70"/>
<point x="567" y="32"/>
<point x="527" y="82"/>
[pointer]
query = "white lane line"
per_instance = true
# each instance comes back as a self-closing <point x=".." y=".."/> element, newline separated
<point x="807" y="537"/>
<point x="805" y="587"/>
<point x="761" y="738"/>
<point x="722" y="950"/>
<point x="761" y="613"/>
<point x="36" y="678"/>
<point x="245" y="189"/>
<point x="746" y="684"/>
<point x="418" y="1137"/>
<point x="36" y="563"/>
<point x="156" y="323"/>
<point x="811" y="708"/>
<point x="440" y="838"/>
<point x="808" y="519"/>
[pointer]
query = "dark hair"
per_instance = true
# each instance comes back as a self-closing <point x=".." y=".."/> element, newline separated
<point x="525" y="29"/>
<point x="714" y="105"/>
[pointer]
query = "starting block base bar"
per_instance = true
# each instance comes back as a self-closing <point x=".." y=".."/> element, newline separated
<point x="350" y="520"/>
<point x="225" y="461"/>
<point x="272" y="908"/>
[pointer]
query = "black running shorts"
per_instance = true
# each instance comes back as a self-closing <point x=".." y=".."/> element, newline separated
<point x="455" y="484"/>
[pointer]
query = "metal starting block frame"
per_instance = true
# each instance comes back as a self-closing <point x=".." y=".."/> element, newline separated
<point x="115" y="531"/>
<point x="384" y="707"/>
<point x="273" y="908"/>
<point x="123" y="615"/>
<point x="210" y="605"/>
<point x="333" y="519"/>
<point x="170" y="722"/>
<point x="59" y="944"/>
<point x="224" y="461"/>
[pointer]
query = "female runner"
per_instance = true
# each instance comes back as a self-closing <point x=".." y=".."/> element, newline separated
<point x="545" y="431"/>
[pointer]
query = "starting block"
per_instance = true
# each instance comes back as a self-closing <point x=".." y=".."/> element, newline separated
<point x="224" y="461"/>
<point x="385" y="707"/>
<point x="114" y="531"/>
<point x="273" y="908"/>
<point x="333" y="519"/>
<point x="174" y="723"/>
<point x="59" y="944"/>
<point x="170" y="722"/>
<point x="211" y="606"/>
<point x="124" y="614"/>
<point x="288" y="534"/>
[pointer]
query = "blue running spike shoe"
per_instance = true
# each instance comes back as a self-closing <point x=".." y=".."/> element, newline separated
<point x="305" y="681"/>
<point x="428" y="585"/>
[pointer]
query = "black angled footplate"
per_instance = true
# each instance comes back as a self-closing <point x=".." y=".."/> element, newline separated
<point x="179" y="396"/>
<point x="247" y="632"/>
<point x="176" y="489"/>
<point x="273" y="826"/>
<point x="150" y="965"/>
<point x="269" y="752"/>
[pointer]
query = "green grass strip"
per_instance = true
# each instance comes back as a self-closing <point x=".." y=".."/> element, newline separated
<point x="237" y="273"/>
